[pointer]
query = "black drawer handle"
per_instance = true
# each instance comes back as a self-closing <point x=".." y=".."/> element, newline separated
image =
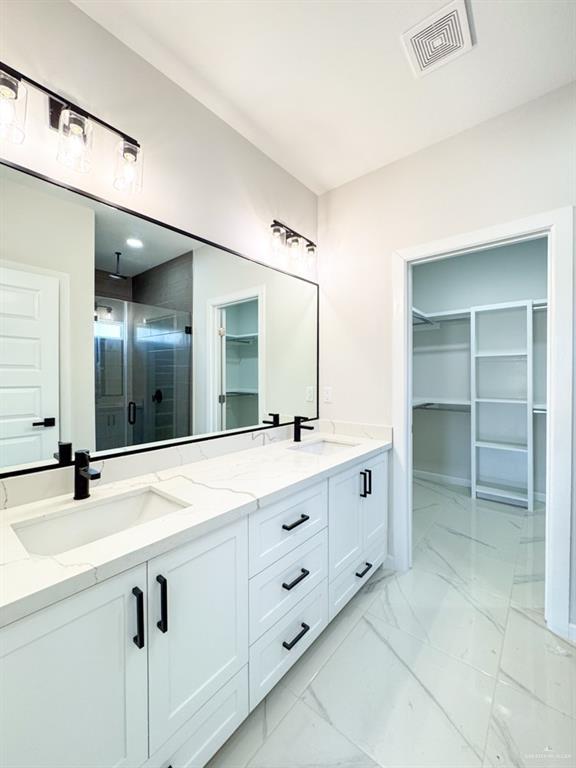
<point x="163" y="623"/>
<point x="299" y="636"/>
<point x="364" y="491"/>
<point x="297" y="580"/>
<point x="139" y="636"/>
<point x="369" y="473"/>
<point x="365" y="571"/>
<point x="291" y="527"/>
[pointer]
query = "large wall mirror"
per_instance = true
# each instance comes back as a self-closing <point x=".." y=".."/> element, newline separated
<point x="117" y="332"/>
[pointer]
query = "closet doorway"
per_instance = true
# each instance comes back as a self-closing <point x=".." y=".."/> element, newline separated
<point x="483" y="411"/>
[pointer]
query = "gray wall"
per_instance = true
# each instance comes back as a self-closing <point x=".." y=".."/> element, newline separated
<point x="167" y="285"/>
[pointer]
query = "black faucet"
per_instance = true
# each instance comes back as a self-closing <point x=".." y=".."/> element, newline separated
<point x="298" y="427"/>
<point x="83" y="473"/>
<point x="275" y="420"/>
<point x="64" y="454"/>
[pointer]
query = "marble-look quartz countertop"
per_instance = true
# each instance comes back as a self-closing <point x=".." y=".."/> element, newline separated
<point x="211" y="493"/>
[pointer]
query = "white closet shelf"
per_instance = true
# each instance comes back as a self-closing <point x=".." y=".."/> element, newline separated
<point x="417" y="401"/>
<point x="502" y="493"/>
<point x="503" y="354"/>
<point x="502" y="446"/>
<point x="503" y="400"/>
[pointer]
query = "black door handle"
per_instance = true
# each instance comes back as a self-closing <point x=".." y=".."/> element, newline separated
<point x="364" y="491"/>
<point x="365" y="571"/>
<point x="369" y="473"/>
<point x="299" y="636"/>
<point x="139" y="636"/>
<point x="163" y="623"/>
<point x="291" y="526"/>
<point x="48" y="422"/>
<point x="297" y="580"/>
<point x="131" y="412"/>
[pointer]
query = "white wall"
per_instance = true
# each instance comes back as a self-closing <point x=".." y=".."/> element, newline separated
<point x="199" y="174"/>
<point x="39" y="230"/>
<point x="517" y="164"/>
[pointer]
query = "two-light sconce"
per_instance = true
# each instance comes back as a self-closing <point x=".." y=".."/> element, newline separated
<point x="294" y="241"/>
<point x="75" y="128"/>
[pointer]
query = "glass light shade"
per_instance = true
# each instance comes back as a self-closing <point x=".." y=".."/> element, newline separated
<point x="310" y="249"/>
<point x="293" y="243"/>
<point x="13" y="96"/>
<point x="75" y="140"/>
<point x="128" y="167"/>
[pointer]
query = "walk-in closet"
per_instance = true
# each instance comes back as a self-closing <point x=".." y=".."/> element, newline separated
<point x="479" y="372"/>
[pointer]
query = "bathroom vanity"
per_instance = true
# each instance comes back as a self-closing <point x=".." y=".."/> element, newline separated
<point x="142" y="625"/>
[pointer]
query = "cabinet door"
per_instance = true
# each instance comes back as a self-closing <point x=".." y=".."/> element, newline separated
<point x="375" y="505"/>
<point x="344" y="520"/>
<point x="74" y="683"/>
<point x="202" y="596"/>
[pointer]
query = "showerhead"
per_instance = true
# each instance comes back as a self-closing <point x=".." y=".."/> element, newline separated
<point x="116" y="275"/>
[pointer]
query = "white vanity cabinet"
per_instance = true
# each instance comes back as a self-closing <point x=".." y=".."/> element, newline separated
<point x="73" y="681"/>
<point x="197" y="625"/>
<point x="357" y="528"/>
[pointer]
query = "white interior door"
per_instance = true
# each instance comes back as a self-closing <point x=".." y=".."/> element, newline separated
<point x="29" y="366"/>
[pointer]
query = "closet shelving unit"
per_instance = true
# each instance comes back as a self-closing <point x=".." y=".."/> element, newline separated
<point x="504" y="396"/>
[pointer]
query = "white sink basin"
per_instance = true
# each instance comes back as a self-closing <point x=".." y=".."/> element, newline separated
<point x="322" y="447"/>
<point x="87" y="521"/>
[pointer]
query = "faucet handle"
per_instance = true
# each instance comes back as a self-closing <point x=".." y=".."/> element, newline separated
<point x="300" y="419"/>
<point x="275" y="420"/>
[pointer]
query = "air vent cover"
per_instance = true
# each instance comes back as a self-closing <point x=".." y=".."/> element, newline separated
<point x="438" y="39"/>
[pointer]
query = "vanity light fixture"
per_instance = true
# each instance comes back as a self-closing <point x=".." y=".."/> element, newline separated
<point x="75" y="127"/>
<point x="12" y="107"/>
<point x="134" y="242"/>
<point x="75" y="140"/>
<point x="282" y="233"/>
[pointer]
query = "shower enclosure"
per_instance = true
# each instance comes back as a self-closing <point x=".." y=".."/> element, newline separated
<point x="143" y="373"/>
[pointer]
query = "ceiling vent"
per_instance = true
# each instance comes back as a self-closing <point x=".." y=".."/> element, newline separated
<point x="438" y="39"/>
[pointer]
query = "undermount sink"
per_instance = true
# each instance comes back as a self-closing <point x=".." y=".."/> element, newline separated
<point x="85" y="522"/>
<point x="322" y="447"/>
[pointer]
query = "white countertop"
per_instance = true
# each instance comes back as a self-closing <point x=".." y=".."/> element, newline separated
<point x="215" y="492"/>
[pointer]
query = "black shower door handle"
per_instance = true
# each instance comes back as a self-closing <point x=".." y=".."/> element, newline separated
<point x="131" y="412"/>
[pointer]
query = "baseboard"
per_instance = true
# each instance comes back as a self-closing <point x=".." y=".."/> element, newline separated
<point x="435" y="477"/>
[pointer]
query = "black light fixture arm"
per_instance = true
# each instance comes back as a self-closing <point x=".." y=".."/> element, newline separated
<point x="57" y="103"/>
<point x="289" y="232"/>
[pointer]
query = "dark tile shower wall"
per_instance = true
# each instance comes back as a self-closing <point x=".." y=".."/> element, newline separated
<point x="167" y="285"/>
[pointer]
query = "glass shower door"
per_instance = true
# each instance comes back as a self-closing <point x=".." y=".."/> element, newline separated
<point x="159" y="373"/>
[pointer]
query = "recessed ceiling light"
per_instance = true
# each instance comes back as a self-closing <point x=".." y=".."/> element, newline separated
<point x="133" y="242"/>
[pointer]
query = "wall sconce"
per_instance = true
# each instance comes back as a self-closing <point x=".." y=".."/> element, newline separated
<point x="281" y="233"/>
<point x="12" y="107"/>
<point x="75" y="127"/>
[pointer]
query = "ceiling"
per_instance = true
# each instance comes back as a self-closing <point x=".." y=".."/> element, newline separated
<point x="324" y="87"/>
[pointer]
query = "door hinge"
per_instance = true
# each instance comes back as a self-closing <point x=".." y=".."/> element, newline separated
<point x="221" y="399"/>
<point x="188" y="330"/>
<point x="221" y="331"/>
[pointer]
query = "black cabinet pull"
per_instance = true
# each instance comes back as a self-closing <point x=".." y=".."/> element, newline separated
<point x="299" y="636"/>
<point x="364" y="491"/>
<point x="369" y="490"/>
<point x="297" y="580"/>
<point x="139" y="636"/>
<point x="291" y="527"/>
<point x="163" y="623"/>
<point x="131" y="413"/>
<point x="365" y="571"/>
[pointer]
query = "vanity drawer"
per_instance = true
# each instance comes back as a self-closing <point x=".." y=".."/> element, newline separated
<point x="270" y="659"/>
<point x="279" y="528"/>
<point x="345" y="586"/>
<point x="208" y="729"/>
<point x="276" y="590"/>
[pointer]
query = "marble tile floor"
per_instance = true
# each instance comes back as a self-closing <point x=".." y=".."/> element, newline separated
<point x="449" y="664"/>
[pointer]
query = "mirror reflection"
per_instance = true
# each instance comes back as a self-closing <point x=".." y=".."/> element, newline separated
<point x="117" y="332"/>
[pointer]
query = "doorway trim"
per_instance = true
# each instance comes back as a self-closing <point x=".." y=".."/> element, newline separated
<point x="558" y="226"/>
<point x="213" y="306"/>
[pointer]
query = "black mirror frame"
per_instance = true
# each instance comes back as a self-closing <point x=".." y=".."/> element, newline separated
<point x="131" y="450"/>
